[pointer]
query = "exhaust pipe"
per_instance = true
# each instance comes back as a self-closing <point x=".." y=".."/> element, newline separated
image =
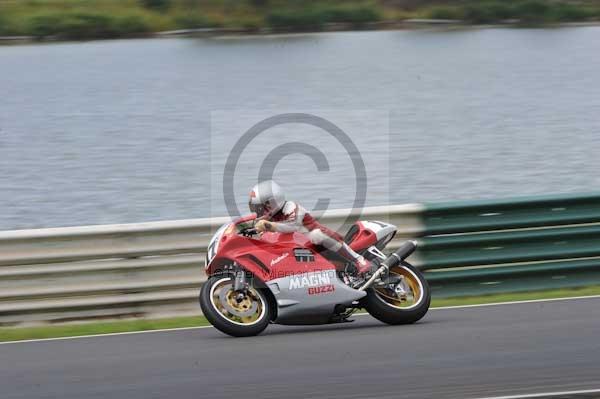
<point x="401" y="253"/>
<point x="393" y="260"/>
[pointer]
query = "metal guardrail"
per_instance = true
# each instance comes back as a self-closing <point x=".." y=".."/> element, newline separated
<point x="155" y="269"/>
<point x="129" y="270"/>
<point x="512" y="245"/>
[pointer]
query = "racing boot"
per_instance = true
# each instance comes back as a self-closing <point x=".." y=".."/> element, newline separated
<point x="364" y="266"/>
<point x="359" y="271"/>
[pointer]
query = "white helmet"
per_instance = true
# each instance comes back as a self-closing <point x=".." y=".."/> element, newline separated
<point x="266" y="198"/>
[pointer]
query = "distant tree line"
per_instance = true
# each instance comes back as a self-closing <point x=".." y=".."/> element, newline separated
<point x="76" y="19"/>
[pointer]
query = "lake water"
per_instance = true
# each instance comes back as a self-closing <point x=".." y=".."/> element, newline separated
<point x="139" y="130"/>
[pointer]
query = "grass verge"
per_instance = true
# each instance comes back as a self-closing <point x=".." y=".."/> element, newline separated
<point x="520" y="296"/>
<point x="70" y="330"/>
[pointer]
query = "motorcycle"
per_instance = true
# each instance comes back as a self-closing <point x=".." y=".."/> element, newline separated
<point x="255" y="279"/>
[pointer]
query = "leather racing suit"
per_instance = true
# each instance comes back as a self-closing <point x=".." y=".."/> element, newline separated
<point x="294" y="218"/>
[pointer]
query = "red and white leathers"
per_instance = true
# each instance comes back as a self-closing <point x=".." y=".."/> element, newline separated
<point x="294" y="218"/>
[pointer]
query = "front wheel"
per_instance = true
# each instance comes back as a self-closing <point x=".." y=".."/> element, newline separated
<point x="234" y="314"/>
<point x="405" y="302"/>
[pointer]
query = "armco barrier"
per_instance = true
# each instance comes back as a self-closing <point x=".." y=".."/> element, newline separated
<point x="130" y="270"/>
<point x="155" y="269"/>
<point x="523" y="244"/>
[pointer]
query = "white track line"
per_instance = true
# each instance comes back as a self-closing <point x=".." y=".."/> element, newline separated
<point x="516" y="302"/>
<point x="105" y="335"/>
<point x="543" y="395"/>
<point x="358" y="314"/>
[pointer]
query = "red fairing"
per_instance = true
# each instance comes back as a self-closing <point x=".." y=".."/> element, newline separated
<point x="270" y="257"/>
<point x="362" y="238"/>
<point x="246" y="218"/>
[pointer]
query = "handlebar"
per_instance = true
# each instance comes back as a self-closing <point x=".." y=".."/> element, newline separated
<point x="250" y="231"/>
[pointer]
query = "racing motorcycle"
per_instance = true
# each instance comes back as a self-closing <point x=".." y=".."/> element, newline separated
<point x="259" y="278"/>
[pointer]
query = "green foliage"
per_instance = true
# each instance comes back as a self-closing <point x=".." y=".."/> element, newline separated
<point x="296" y="20"/>
<point x="250" y="24"/>
<point x="93" y="19"/>
<point x="7" y="27"/>
<point x="443" y="12"/>
<point x="3" y="25"/>
<point x="502" y="10"/>
<point x="478" y="14"/>
<point x="43" y="25"/>
<point x="488" y="12"/>
<point x="158" y="5"/>
<point x="82" y="25"/>
<point x="194" y="21"/>
<point x="315" y="17"/>
<point x="532" y="11"/>
<point x="355" y="14"/>
<point x="569" y="12"/>
<point x="527" y="11"/>
<point x="190" y="4"/>
<point x="259" y="3"/>
<point x="132" y="24"/>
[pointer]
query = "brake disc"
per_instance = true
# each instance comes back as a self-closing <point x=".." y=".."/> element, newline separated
<point x="242" y="309"/>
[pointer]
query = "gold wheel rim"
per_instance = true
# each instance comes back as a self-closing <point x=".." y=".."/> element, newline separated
<point x="413" y="288"/>
<point x="237" y="312"/>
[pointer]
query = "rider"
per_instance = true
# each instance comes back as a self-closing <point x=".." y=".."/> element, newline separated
<point x="276" y="214"/>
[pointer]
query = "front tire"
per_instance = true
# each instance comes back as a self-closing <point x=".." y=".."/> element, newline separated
<point x="392" y="308"/>
<point x="244" y="318"/>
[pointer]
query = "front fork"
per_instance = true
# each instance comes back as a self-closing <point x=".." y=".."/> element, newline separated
<point x="240" y="284"/>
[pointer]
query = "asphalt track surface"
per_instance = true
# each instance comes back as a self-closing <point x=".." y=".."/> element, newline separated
<point x="452" y="353"/>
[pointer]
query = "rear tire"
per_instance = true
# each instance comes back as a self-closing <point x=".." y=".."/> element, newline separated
<point x="392" y="311"/>
<point x="215" y="306"/>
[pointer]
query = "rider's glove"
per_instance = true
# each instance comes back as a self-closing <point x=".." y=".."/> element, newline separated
<point x="263" y="225"/>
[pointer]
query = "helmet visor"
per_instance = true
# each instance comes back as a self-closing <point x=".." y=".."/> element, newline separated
<point x="259" y="209"/>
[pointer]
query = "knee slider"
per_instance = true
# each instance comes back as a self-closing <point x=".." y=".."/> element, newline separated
<point x="316" y="236"/>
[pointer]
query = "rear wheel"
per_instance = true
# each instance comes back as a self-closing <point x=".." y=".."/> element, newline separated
<point x="236" y="314"/>
<point x="403" y="303"/>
